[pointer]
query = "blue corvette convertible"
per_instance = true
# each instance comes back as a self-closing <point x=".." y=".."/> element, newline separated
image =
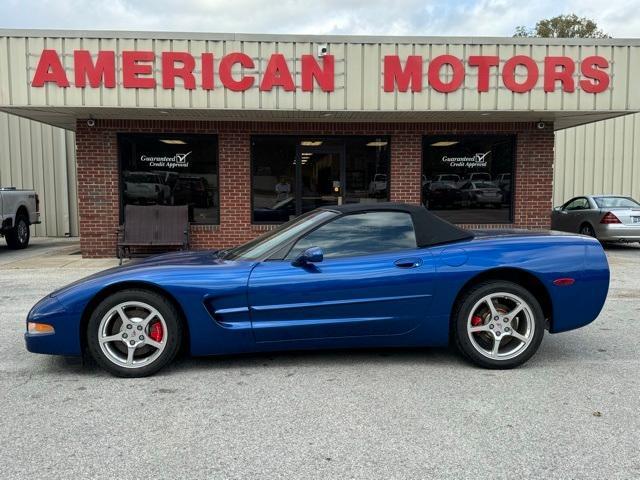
<point x="337" y="277"/>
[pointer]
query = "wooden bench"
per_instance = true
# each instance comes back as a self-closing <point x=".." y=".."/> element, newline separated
<point x="153" y="229"/>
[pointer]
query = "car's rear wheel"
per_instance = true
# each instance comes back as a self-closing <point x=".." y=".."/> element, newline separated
<point x="134" y="333"/>
<point x="18" y="237"/>
<point x="498" y="324"/>
<point x="588" y="230"/>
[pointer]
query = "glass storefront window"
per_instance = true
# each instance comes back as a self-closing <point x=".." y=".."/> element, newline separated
<point x="293" y="175"/>
<point x="171" y="169"/>
<point x="469" y="179"/>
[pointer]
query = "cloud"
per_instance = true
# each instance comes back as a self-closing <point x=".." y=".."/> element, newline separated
<point x="619" y="18"/>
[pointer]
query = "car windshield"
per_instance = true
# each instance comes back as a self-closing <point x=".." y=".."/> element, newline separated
<point x="616" y="202"/>
<point x="272" y="240"/>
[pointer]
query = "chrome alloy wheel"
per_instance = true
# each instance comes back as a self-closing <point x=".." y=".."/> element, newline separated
<point x="132" y="334"/>
<point x="501" y="325"/>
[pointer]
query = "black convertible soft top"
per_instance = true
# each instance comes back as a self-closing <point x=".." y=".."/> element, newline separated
<point x="430" y="229"/>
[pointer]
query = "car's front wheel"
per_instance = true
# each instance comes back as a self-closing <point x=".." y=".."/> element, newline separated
<point x="498" y="324"/>
<point x="134" y="333"/>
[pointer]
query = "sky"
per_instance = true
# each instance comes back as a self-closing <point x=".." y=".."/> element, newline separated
<point x="618" y="18"/>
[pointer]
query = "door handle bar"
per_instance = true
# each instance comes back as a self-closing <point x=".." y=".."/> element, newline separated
<point x="408" y="263"/>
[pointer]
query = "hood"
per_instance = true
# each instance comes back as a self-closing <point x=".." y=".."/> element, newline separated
<point x="140" y="268"/>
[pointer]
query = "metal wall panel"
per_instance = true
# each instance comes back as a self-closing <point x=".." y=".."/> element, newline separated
<point x="358" y="79"/>
<point x="601" y="157"/>
<point x="41" y="157"/>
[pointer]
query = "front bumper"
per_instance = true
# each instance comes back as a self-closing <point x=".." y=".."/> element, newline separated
<point x="65" y="340"/>
<point x="618" y="233"/>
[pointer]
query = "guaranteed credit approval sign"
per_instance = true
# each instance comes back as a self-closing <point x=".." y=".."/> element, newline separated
<point x="237" y="72"/>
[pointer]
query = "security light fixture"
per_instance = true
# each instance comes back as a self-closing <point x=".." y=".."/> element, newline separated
<point x="377" y="143"/>
<point x="444" y="143"/>
<point x="173" y="141"/>
<point x="311" y="143"/>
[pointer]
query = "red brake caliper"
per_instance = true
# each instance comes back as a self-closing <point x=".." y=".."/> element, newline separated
<point x="156" y="332"/>
<point x="476" y="320"/>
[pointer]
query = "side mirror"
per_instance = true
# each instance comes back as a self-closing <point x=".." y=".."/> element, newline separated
<point x="310" y="255"/>
<point x="557" y="209"/>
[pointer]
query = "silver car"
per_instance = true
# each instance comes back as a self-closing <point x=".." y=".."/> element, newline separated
<point x="478" y="193"/>
<point x="609" y="218"/>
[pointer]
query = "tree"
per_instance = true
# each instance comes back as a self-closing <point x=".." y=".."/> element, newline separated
<point x="562" y="26"/>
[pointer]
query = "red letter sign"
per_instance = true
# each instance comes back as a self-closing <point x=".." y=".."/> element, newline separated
<point x="590" y="68"/>
<point x="484" y="63"/>
<point x="565" y="75"/>
<point x="277" y="74"/>
<point x="185" y="71"/>
<point x="434" y="73"/>
<point x="509" y="74"/>
<point x="103" y="72"/>
<point x="50" y="69"/>
<point x="131" y="69"/>
<point x="207" y="71"/>
<point x="394" y="74"/>
<point x="311" y="71"/>
<point x="226" y="64"/>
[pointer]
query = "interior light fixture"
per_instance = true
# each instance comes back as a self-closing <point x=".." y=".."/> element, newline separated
<point x="377" y="143"/>
<point x="444" y="143"/>
<point x="311" y="143"/>
<point x="173" y="141"/>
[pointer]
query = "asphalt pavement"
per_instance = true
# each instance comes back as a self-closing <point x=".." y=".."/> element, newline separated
<point x="571" y="412"/>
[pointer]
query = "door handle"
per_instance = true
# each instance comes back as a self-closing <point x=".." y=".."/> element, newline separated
<point x="408" y="263"/>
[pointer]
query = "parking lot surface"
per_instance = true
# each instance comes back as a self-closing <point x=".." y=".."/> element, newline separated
<point x="573" y="411"/>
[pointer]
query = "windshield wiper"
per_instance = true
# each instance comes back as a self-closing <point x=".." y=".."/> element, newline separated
<point x="222" y="253"/>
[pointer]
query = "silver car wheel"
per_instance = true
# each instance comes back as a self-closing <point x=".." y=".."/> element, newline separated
<point x="587" y="230"/>
<point x="501" y="326"/>
<point x="129" y="335"/>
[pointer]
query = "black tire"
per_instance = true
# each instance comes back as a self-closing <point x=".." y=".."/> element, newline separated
<point x="587" y="229"/>
<point x="173" y="339"/>
<point x="18" y="237"/>
<point x="462" y="314"/>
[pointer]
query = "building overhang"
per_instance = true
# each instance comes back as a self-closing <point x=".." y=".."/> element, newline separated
<point x="67" y="117"/>
<point x="59" y="77"/>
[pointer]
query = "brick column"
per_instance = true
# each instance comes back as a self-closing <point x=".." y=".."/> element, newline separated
<point x="406" y="168"/>
<point x="533" y="189"/>
<point x="98" y="188"/>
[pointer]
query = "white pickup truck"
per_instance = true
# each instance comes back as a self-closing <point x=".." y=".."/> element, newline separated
<point x="18" y="210"/>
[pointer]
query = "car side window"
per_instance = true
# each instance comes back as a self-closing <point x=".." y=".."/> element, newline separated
<point x="577" y="204"/>
<point x="360" y="234"/>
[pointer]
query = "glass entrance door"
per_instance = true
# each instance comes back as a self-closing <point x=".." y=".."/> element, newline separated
<point x="321" y="177"/>
<point x="292" y="175"/>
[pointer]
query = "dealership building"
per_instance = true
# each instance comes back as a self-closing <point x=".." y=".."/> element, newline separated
<point x="250" y="131"/>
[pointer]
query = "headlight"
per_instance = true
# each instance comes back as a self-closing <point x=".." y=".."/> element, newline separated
<point x="42" y="317"/>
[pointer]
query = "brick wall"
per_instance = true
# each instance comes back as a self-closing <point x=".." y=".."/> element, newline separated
<point x="98" y="171"/>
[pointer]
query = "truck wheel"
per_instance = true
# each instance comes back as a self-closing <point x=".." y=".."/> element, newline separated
<point x="18" y="236"/>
